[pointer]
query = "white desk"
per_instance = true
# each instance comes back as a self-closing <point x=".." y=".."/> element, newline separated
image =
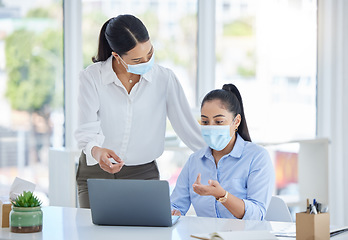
<point x="74" y="223"/>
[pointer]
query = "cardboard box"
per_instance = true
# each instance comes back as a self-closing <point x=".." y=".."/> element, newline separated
<point x="5" y="209"/>
<point x="312" y="226"/>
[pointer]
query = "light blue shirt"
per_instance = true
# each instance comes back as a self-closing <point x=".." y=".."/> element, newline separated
<point x="246" y="172"/>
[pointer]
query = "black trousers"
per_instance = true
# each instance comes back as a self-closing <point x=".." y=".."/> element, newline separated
<point x="146" y="171"/>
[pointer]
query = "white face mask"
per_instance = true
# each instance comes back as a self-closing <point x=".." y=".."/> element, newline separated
<point x="140" y="68"/>
<point x="216" y="136"/>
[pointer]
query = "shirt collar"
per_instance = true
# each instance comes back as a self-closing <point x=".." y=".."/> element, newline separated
<point x="109" y="76"/>
<point x="107" y="73"/>
<point x="147" y="76"/>
<point x="238" y="148"/>
<point x="236" y="152"/>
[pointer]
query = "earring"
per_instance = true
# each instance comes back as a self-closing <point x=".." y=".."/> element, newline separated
<point x="236" y="130"/>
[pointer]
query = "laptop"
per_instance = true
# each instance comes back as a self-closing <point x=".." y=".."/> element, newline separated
<point x="130" y="202"/>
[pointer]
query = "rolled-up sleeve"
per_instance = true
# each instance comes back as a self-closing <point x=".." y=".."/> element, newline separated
<point x="181" y="117"/>
<point x="180" y="198"/>
<point x="260" y="186"/>
<point x="89" y="132"/>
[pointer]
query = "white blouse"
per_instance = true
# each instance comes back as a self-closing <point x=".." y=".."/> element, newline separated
<point x="132" y="125"/>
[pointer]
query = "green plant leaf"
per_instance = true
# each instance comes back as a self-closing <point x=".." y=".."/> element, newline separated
<point x="26" y="199"/>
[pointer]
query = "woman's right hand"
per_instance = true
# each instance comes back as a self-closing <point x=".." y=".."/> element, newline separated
<point x="102" y="155"/>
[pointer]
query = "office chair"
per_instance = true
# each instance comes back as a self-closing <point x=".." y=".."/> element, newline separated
<point x="278" y="211"/>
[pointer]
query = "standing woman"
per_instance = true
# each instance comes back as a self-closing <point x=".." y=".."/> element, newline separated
<point x="124" y="99"/>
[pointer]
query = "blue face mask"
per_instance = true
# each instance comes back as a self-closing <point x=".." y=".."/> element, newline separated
<point x="216" y="136"/>
<point x="140" y="68"/>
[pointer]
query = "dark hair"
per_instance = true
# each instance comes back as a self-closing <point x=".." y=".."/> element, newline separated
<point x="232" y="100"/>
<point x="119" y="35"/>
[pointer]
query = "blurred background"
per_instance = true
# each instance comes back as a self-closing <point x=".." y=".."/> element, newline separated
<point x="268" y="49"/>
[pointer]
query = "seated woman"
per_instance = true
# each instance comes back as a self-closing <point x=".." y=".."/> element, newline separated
<point x="233" y="177"/>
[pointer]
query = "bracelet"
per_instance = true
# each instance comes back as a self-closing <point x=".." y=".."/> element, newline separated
<point x="223" y="199"/>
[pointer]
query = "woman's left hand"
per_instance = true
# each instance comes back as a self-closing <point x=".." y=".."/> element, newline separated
<point x="214" y="188"/>
<point x="176" y="212"/>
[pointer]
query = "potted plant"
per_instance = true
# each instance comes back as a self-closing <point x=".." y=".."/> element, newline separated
<point x="26" y="214"/>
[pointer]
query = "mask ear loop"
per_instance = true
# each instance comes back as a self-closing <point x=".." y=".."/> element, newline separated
<point x="118" y="61"/>
<point x="124" y="64"/>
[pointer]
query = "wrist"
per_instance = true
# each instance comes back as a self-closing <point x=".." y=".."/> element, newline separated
<point x="94" y="151"/>
<point x="221" y="193"/>
<point x="223" y="198"/>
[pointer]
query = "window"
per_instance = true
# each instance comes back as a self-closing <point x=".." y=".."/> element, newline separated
<point x="31" y="92"/>
<point x="172" y="27"/>
<point x="268" y="50"/>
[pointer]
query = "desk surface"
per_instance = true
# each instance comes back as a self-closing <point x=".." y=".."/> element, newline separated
<point x="74" y="223"/>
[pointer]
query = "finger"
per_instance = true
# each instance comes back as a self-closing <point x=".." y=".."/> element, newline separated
<point x="104" y="167"/>
<point x="176" y="212"/>
<point x="115" y="157"/>
<point x="203" y="190"/>
<point x="106" y="161"/>
<point x="198" y="180"/>
<point x="115" y="168"/>
<point x="195" y="189"/>
<point x="213" y="183"/>
<point x="102" y="164"/>
<point x="199" y="189"/>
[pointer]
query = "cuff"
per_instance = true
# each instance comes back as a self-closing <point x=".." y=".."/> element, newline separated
<point x="252" y="211"/>
<point x="247" y="210"/>
<point x="88" y="151"/>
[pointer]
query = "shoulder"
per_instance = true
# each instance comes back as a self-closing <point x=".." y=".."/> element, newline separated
<point x="162" y="69"/>
<point x="197" y="157"/>
<point x="98" y="73"/>
<point x="200" y="153"/>
<point x="255" y="148"/>
<point x="92" y="69"/>
<point x="258" y="154"/>
<point x="246" y="149"/>
<point x="163" y="78"/>
<point x="161" y="73"/>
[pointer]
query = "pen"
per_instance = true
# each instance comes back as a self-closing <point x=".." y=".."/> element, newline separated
<point x="307" y="206"/>
<point x="318" y="207"/>
<point x="314" y="210"/>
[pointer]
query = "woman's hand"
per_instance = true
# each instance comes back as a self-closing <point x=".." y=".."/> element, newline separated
<point x="176" y="212"/>
<point x="213" y="189"/>
<point x="102" y="155"/>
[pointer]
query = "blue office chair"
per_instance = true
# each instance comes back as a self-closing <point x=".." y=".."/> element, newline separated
<point x="278" y="211"/>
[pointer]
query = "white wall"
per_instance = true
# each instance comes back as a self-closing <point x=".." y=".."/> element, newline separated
<point x="333" y="100"/>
